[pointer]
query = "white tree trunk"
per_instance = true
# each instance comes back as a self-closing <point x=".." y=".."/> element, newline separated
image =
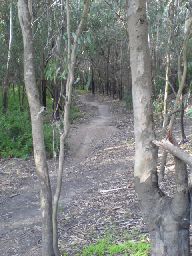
<point x="6" y="79"/>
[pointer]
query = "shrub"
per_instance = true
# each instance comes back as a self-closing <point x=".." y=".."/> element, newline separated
<point x="15" y="136"/>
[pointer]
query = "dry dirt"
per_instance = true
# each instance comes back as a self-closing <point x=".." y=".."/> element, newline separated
<point x="98" y="193"/>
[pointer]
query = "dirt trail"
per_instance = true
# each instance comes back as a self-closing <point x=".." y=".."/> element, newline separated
<point x="98" y="192"/>
<point x="92" y="133"/>
<point x="84" y="140"/>
<point x="20" y="227"/>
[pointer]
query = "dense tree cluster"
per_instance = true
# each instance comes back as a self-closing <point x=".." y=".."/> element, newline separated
<point x="103" y="52"/>
<point x="107" y="47"/>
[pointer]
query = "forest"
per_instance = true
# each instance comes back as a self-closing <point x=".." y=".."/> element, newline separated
<point x="96" y="117"/>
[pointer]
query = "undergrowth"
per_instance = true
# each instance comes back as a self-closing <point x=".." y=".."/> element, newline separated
<point x="16" y="135"/>
<point x="105" y="247"/>
<point x="74" y="113"/>
<point x="110" y="246"/>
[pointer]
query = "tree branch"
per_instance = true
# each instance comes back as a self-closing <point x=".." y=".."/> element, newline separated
<point x="174" y="150"/>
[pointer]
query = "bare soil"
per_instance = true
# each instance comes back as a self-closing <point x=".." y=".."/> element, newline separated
<point x="98" y="193"/>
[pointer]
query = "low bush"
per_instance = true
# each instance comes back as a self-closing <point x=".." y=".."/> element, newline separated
<point x="16" y="137"/>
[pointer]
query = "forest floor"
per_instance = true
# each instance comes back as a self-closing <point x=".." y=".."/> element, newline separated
<point x="98" y="195"/>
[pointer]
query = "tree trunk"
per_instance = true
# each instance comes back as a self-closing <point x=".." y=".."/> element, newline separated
<point x="167" y="218"/>
<point x="43" y="83"/>
<point x="166" y="92"/>
<point x="92" y="82"/>
<point x="37" y="129"/>
<point x="120" y="86"/>
<point x="72" y="53"/>
<point x="6" y="79"/>
<point x="107" y="71"/>
<point x="183" y="136"/>
<point x="44" y="92"/>
<point x="182" y="80"/>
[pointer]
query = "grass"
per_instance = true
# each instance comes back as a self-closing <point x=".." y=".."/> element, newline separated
<point x="105" y="247"/>
<point x="108" y="246"/>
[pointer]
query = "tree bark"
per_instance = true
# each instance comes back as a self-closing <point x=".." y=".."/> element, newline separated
<point x="183" y="136"/>
<point x="70" y="79"/>
<point x="182" y="80"/>
<point x="175" y="150"/>
<point x="107" y="70"/>
<point x="167" y="218"/>
<point x="92" y="81"/>
<point x="121" y="74"/>
<point x="6" y="79"/>
<point x="37" y="129"/>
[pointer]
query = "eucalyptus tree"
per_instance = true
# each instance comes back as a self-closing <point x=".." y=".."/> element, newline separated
<point x="167" y="40"/>
<point x="37" y="129"/>
<point x="166" y="29"/>
<point x="167" y="33"/>
<point x="104" y="49"/>
<point x="49" y="202"/>
<point x="10" y="55"/>
<point x="167" y="217"/>
<point x="6" y="79"/>
<point x="71" y="60"/>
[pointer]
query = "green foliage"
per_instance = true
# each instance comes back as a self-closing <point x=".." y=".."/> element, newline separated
<point x="48" y="135"/>
<point x="74" y="113"/>
<point x="130" y="244"/>
<point x="16" y="136"/>
<point x="189" y="112"/>
<point x="105" y="247"/>
<point x="100" y="248"/>
<point x="51" y="70"/>
<point x="158" y="104"/>
<point x="159" y="84"/>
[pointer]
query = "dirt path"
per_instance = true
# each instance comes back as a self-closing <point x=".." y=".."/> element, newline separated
<point x="98" y="191"/>
<point x="88" y="135"/>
